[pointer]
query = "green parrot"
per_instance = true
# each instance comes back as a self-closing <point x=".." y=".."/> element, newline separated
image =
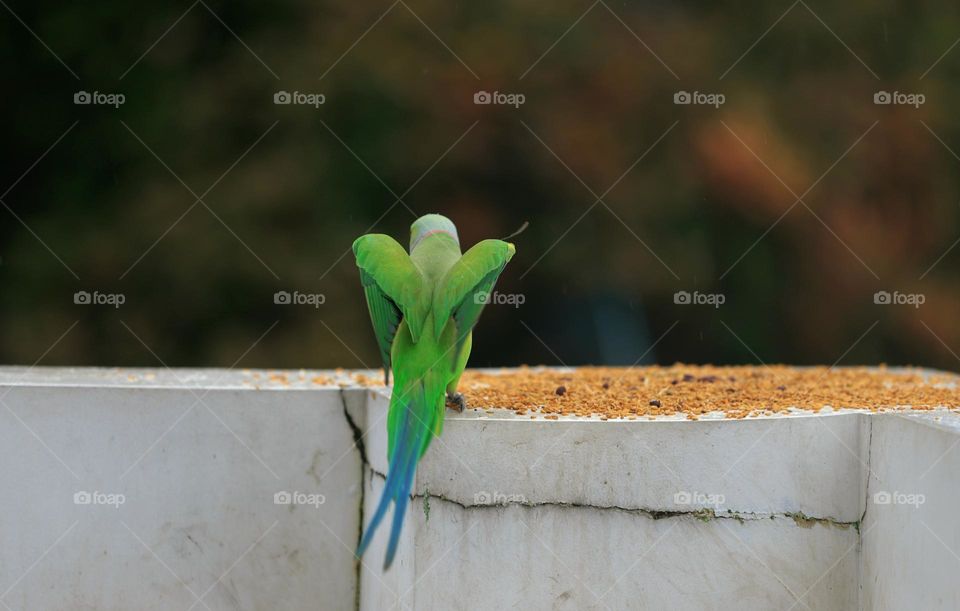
<point x="423" y="306"/>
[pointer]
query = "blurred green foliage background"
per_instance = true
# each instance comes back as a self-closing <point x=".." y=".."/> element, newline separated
<point x="199" y="198"/>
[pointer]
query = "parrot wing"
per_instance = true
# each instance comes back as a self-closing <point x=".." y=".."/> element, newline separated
<point x="393" y="287"/>
<point x="466" y="286"/>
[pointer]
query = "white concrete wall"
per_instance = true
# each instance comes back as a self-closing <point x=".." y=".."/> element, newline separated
<point x="198" y="460"/>
<point x="576" y="514"/>
<point x="911" y="530"/>
<point x="509" y="512"/>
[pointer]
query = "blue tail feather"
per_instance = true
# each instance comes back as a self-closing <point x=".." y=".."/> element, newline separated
<point x="402" y="467"/>
<point x="399" y="509"/>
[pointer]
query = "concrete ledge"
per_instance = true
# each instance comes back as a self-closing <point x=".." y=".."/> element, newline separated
<point x="911" y="537"/>
<point x="177" y="473"/>
<point x="176" y="476"/>
<point x="763" y="467"/>
<point x="585" y="514"/>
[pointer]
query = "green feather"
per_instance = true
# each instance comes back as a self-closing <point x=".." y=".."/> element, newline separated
<point x="424" y="307"/>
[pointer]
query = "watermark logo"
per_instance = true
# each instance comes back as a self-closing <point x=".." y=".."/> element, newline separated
<point x="697" y="298"/>
<point x="82" y="497"/>
<point x="299" y="98"/>
<point x="899" y="98"/>
<point x="297" y="298"/>
<point x="97" y="298"/>
<point x="497" y="498"/>
<point x="885" y="497"/>
<point x="99" y="99"/>
<point x="699" y="98"/>
<point x="299" y="498"/>
<point x="512" y="299"/>
<point x="498" y="98"/>
<point x="701" y="499"/>
<point x="897" y="298"/>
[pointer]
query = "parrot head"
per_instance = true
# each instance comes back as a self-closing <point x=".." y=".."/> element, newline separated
<point x="430" y="224"/>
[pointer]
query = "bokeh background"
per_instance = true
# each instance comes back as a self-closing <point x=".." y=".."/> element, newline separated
<point x="199" y="198"/>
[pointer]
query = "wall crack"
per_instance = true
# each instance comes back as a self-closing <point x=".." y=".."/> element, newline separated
<point x="866" y="500"/>
<point x="704" y="515"/>
<point x="358" y="443"/>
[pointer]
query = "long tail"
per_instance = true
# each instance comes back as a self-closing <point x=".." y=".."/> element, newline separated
<point x="414" y="431"/>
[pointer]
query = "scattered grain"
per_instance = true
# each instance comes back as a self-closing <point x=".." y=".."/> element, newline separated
<point x="746" y="391"/>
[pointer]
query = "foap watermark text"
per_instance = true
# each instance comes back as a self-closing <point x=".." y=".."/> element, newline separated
<point x="697" y="298"/>
<point x="299" y="498"/>
<point x="899" y="98"/>
<point x="498" y="98"/>
<point x="700" y="499"/>
<point x="97" y="98"/>
<point x="699" y="98"/>
<point x="512" y="299"/>
<point x="299" y="98"/>
<point x="897" y="298"/>
<point x="297" y="298"/>
<point x="496" y="497"/>
<point x="885" y="497"/>
<point x="97" y="298"/>
<point x="113" y="499"/>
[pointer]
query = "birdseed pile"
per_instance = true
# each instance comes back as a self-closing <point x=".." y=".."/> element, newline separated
<point x="692" y="391"/>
